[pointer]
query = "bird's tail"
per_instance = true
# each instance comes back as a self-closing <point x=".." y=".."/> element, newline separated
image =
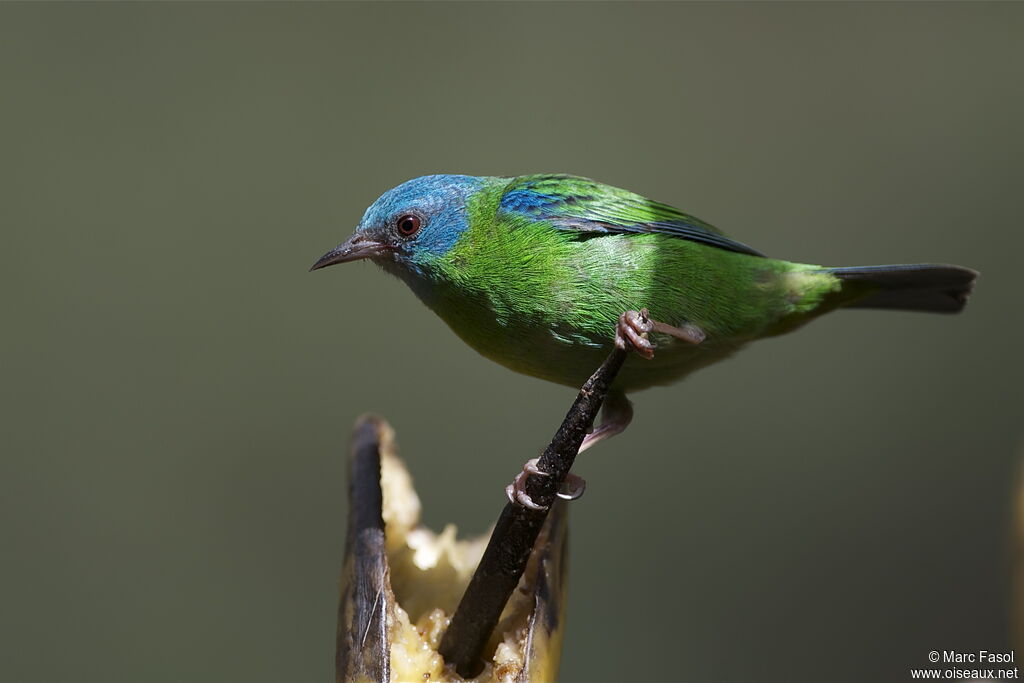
<point x="931" y="287"/>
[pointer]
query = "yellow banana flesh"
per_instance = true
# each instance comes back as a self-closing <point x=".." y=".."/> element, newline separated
<point x="401" y="582"/>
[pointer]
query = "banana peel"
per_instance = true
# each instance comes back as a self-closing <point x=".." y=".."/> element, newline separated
<point x="401" y="582"/>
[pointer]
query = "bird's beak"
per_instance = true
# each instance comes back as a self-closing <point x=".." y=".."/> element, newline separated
<point x="358" y="246"/>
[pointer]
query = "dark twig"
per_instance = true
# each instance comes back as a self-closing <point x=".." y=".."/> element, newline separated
<point x="510" y="545"/>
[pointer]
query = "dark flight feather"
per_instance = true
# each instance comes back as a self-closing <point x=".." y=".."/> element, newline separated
<point x="588" y="207"/>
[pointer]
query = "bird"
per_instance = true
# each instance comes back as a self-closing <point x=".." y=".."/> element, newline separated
<point x="544" y="273"/>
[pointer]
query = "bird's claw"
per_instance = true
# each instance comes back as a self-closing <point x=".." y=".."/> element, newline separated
<point x="516" y="491"/>
<point x="632" y="330"/>
<point x="571" y="489"/>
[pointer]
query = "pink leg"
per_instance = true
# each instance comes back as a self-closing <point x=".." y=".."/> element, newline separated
<point x="688" y="332"/>
<point x="616" y="414"/>
<point x="572" y="488"/>
<point x="631" y="332"/>
<point x="633" y="329"/>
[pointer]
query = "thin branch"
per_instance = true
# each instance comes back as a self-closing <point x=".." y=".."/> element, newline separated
<point x="514" y="536"/>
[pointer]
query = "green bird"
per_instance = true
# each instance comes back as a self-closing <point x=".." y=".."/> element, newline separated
<point x="543" y="273"/>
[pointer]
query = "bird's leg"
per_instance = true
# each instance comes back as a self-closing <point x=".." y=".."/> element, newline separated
<point x="634" y="327"/>
<point x="571" y="489"/>
<point x="688" y="333"/>
<point x="617" y="412"/>
<point x="632" y="330"/>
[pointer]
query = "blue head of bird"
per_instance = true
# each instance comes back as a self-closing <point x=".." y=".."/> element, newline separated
<point x="410" y="226"/>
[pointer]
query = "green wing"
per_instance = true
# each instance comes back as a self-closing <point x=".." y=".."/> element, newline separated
<point x="586" y="206"/>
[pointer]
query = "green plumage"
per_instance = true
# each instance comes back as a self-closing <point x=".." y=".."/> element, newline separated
<point x="543" y="302"/>
<point x="533" y="272"/>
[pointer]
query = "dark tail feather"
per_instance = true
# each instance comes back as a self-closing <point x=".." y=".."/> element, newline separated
<point x="912" y="287"/>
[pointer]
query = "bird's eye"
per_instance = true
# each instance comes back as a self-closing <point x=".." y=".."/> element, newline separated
<point x="408" y="225"/>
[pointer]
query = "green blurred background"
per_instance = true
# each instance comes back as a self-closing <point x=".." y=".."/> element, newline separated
<point x="178" y="390"/>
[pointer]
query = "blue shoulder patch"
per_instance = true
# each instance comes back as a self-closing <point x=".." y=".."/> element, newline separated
<point x="582" y="205"/>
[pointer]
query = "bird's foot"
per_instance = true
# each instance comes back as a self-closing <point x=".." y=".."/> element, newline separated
<point x="571" y="489"/>
<point x="632" y="330"/>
